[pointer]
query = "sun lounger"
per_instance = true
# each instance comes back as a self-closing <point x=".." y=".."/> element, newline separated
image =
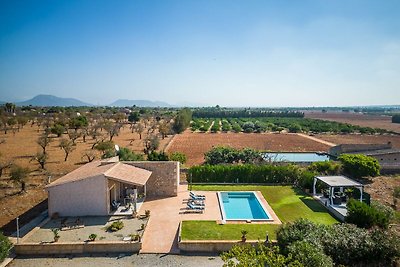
<point x="196" y="202"/>
<point x="189" y="210"/>
<point x="197" y="197"/>
<point x="195" y="207"/>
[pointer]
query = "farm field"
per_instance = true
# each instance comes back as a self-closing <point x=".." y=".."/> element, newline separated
<point x="20" y="148"/>
<point x="278" y="124"/>
<point x="194" y="145"/>
<point x="373" y="121"/>
<point x="360" y="139"/>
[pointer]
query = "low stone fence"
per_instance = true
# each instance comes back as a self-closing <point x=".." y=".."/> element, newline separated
<point x="210" y="246"/>
<point x="77" y="247"/>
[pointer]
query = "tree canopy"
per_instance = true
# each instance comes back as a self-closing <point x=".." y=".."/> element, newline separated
<point x="359" y="166"/>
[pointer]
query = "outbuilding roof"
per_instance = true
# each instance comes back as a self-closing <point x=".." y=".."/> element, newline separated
<point x="112" y="170"/>
<point x="378" y="152"/>
<point x="337" y="181"/>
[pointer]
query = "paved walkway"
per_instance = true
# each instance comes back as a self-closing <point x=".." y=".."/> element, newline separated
<point x="161" y="234"/>
<point x="317" y="140"/>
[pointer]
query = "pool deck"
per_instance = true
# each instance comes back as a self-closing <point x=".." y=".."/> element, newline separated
<point x="161" y="234"/>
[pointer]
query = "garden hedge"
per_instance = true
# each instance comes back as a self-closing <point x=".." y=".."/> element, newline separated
<point x="248" y="173"/>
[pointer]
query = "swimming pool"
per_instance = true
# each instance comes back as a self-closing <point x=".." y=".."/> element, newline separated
<point x="295" y="157"/>
<point x="242" y="206"/>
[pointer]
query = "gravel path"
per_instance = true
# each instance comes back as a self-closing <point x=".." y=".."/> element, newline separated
<point x="142" y="260"/>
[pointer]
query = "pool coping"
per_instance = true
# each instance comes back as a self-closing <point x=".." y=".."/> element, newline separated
<point x="257" y="195"/>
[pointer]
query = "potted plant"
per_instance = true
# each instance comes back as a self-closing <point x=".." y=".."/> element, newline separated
<point x="142" y="226"/>
<point x="92" y="237"/>
<point x="147" y="213"/>
<point x="244" y="233"/>
<point x="55" y="233"/>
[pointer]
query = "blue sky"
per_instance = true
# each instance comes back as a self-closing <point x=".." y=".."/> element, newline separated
<point x="231" y="53"/>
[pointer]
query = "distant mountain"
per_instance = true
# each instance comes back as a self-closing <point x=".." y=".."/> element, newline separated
<point x="138" y="103"/>
<point x="50" y="100"/>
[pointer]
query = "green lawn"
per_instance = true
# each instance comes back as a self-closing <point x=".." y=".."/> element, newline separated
<point x="288" y="203"/>
<point x="210" y="230"/>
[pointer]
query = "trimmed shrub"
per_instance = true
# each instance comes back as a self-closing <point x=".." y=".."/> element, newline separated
<point x="125" y="154"/>
<point x="325" y="167"/>
<point x="115" y="226"/>
<point x="178" y="156"/>
<point x="157" y="156"/>
<point x="345" y="243"/>
<point x="223" y="154"/>
<point x="359" y="166"/>
<point x="5" y="246"/>
<point x="309" y="255"/>
<point x="246" y="173"/>
<point x="259" y="255"/>
<point x="366" y="216"/>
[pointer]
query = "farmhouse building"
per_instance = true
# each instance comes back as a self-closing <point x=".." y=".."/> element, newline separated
<point x="387" y="156"/>
<point x="95" y="188"/>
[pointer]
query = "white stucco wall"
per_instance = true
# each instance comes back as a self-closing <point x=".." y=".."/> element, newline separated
<point x="80" y="198"/>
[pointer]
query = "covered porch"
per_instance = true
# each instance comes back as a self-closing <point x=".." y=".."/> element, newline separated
<point x="335" y="197"/>
<point x="126" y="192"/>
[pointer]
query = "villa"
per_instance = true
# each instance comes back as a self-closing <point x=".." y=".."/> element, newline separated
<point x="102" y="188"/>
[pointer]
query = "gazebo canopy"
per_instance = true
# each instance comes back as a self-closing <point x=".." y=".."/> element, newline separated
<point x="338" y="181"/>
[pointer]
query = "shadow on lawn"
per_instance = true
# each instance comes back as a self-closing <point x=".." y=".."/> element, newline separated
<point x="314" y="205"/>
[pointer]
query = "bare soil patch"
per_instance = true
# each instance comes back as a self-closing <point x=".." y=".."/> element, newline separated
<point x="194" y="145"/>
<point x="20" y="148"/>
<point x="373" y="121"/>
<point x="382" y="188"/>
<point x="361" y="139"/>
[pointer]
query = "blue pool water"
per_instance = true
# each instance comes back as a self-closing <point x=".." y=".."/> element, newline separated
<point x="295" y="157"/>
<point x="241" y="206"/>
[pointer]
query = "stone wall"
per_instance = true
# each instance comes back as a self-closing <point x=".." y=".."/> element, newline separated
<point x="164" y="179"/>
<point x="348" y="148"/>
<point x="77" y="248"/>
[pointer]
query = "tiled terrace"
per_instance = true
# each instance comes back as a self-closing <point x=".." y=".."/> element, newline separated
<point x="166" y="213"/>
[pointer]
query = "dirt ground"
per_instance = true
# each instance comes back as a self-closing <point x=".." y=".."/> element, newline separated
<point x="361" y="139"/>
<point x="194" y="145"/>
<point x="373" y="121"/>
<point x="20" y="148"/>
<point x="382" y="188"/>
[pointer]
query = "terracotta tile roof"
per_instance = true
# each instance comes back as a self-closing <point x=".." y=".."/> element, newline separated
<point x="128" y="173"/>
<point x="115" y="170"/>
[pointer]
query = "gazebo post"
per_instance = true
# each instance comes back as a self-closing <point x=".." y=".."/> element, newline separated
<point x="361" y="195"/>
<point x="314" y="189"/>
<point x="330" y="195"/>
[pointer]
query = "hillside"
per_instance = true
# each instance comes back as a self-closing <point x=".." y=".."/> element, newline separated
<point x="50" y="100"/>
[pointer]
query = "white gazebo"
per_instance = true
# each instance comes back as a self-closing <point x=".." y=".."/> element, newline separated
<point x="333" y="182"/>
<point x="337" y="182"/>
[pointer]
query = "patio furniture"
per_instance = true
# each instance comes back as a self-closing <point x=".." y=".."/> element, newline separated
<point x="195" y="207"/>
<point x="189" y="210"/>
<point x="337" y="200"/>
<point x="196" y="202"/>
<point x="115" y="205"/>
<point x="196" y="197"/>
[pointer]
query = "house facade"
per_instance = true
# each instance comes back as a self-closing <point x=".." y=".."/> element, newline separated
<point x="94" y="188"/>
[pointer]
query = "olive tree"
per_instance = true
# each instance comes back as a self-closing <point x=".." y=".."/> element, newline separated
<point x="43" y="141"/>
<point x="18" y="175"/>
<point x="67" y="146"/>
